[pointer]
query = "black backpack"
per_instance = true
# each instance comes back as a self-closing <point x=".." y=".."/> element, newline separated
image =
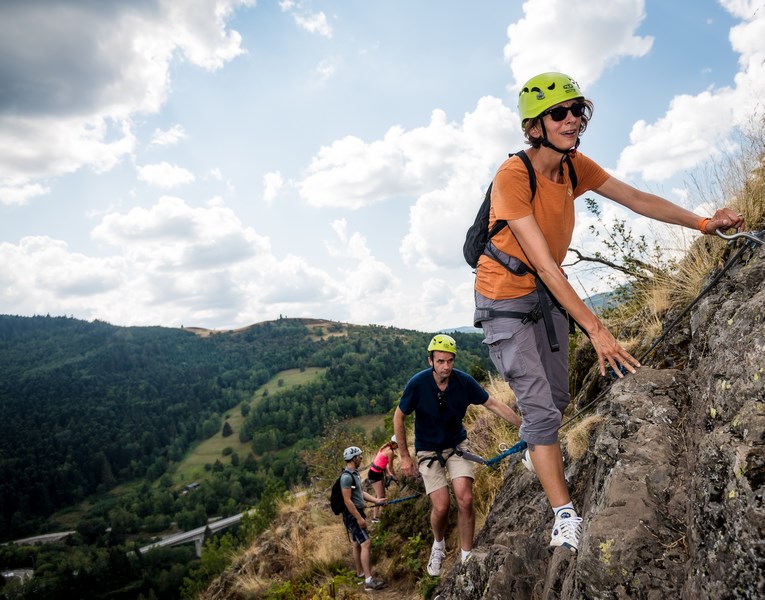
<point x="479" y="234"/>
<point x="336" y="500"/>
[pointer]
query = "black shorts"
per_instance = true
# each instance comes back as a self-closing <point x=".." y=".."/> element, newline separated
<point x="358" y="535"/>
<point x="376" y="475"/>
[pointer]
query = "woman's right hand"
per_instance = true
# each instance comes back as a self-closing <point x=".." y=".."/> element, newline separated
<point x="611" y="352"/>
<point x="407" y="466"/>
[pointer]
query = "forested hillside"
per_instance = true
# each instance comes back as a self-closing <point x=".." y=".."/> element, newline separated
<point x="86" y="406"/>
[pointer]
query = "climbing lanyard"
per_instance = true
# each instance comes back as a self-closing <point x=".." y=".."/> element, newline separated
<point x="396" y="500"/>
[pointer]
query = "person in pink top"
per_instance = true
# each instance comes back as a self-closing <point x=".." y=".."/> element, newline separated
<point x="380" y="469"/>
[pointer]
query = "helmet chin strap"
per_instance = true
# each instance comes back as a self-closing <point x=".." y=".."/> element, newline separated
<point x="563" y="153"/>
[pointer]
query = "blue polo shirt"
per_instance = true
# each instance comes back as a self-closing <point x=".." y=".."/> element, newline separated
<point x="440" y="427"/>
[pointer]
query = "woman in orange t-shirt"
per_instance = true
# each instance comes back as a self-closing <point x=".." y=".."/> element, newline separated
<point x="554" y="113"/>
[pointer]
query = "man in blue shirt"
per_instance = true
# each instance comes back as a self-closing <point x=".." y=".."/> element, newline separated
<point x="439" y="398"/>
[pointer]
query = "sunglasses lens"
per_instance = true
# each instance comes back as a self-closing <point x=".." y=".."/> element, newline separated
<point x="559" y="112"/>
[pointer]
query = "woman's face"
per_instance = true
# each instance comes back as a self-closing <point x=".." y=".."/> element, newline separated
<point x="564" y="132"/>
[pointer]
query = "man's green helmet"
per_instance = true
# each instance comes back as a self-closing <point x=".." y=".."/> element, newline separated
<point x="443" y="343"/>
<point x="544" y="91"/>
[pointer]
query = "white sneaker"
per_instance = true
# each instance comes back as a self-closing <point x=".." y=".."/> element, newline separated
<point x="526" y="460"/>
<point x="567" y="529"/>
<point x="375" y="584"/>
<point x="434" y="564"/>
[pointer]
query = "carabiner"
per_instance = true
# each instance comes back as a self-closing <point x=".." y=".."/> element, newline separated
<point x="743" y="234"/>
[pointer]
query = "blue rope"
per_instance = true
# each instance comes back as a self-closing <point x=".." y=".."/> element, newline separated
<point x="397" y="500"/>
<point x="518" y="447"/>
<point x="394" y="501"/>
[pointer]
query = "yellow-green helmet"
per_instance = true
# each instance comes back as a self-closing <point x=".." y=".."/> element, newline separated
<point x="443" y="343"/>
<point x="543" y="91"/>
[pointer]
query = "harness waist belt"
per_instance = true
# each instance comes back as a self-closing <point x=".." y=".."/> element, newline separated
<point x="438" y="457"/>
<point x="518" y="268"/>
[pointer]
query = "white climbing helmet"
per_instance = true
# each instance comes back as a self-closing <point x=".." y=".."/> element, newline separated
<point x="351" y="452"/>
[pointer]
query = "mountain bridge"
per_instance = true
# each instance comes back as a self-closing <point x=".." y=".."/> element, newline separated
<point x="194" y="535"/>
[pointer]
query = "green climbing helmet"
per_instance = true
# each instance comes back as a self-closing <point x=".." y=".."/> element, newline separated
<point x="443" y="343"/>
<point x="544" y="91"/>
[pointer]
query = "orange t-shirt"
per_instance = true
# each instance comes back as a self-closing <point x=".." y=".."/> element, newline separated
<point x="553" y="209"/>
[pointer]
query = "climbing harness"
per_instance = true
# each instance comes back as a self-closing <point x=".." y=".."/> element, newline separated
<point x="438" y="456"/>
<point x="543" y="308"/>
<point x="752" y="240"/>
<point x="442" y="460"/>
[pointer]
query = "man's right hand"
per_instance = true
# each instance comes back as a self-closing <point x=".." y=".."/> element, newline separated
<point x="361" y="521"/>
<point x="407" y="466"/>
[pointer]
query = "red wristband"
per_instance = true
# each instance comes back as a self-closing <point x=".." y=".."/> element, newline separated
<point x="702" y="225"/>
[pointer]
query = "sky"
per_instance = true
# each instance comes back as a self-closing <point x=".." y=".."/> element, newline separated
<point x="218" y="163"/>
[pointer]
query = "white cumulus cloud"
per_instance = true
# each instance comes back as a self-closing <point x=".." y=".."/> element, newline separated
<point x="164" y="175"/>
<point x="68" y="97"/>
<point x="168" y="137"/>
<point x="698" y="127"/>
<point x="581" y="39"/>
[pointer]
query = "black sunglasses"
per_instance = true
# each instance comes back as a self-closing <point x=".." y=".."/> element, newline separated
<point x="559" y="113"/>
<point x="441" y="400"/>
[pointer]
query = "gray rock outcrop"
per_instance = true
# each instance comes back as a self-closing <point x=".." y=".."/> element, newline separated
<point x="671" y="489"/>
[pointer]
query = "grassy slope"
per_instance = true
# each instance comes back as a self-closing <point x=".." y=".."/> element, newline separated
<point x="191" y="468"/>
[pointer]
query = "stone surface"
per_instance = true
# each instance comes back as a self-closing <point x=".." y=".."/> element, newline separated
<point x="671" y="489"/>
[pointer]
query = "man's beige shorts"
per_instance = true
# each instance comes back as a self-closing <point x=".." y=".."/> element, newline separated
<point x="434" y="476"/>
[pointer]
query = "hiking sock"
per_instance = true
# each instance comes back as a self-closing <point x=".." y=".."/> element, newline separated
<point x="557" y="509"/>
<point x="368" y="580"/>
<point x="440" y="545"/>
<point x="465" y="554"/>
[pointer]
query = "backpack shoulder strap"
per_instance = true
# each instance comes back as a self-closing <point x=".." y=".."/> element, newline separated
<point x="532" y="186"/>
<point x="530" y="169"/>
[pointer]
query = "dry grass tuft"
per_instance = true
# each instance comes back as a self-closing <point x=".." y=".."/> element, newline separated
<point x="304" y="541"/>
<point x="249" y="585"/>
<point x="577" y="439"/>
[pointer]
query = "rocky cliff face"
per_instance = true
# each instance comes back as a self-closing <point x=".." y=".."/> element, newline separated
<point x="671" y="489"/>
